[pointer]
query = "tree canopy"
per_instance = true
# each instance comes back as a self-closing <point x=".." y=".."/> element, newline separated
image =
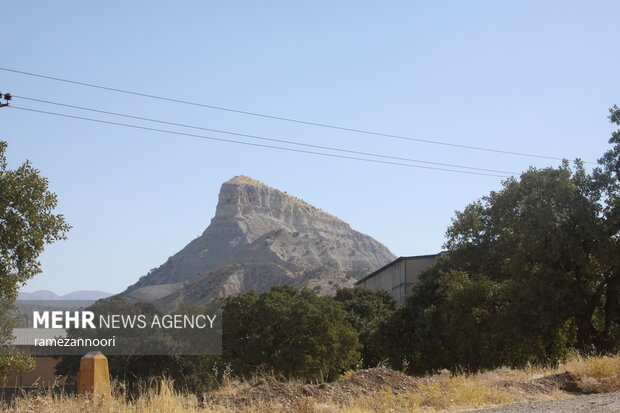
<point x="365" y="311"/>
<point x="532" y="270"/>
<point x="292" y="332"/>
<point x="27" y="223"/>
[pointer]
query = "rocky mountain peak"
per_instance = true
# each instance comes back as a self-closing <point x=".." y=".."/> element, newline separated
<point x="242" y="195"/>
<point x="260" y="237"/>
<point x="244" y="180"/>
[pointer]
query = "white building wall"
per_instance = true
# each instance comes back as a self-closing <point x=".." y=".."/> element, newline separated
<point x="399" y="277"/>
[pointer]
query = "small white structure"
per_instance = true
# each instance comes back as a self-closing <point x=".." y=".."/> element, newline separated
<point x="398" y="276"/>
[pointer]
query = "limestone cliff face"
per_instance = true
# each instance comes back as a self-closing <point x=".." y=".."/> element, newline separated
<point x="262" y="237"/>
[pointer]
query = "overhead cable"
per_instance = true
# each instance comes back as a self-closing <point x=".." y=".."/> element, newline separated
<point x="282" y="118"/>
<point x="263" y="138"/>
<point x="251" y="143"/>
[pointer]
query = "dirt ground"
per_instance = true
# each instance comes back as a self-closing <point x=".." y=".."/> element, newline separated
<point x="596" y="403"/>
<point x="268" y="390"/>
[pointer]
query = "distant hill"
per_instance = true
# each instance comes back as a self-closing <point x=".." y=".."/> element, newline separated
<point x="75" y="295"/>
<point x="261" y="237"/>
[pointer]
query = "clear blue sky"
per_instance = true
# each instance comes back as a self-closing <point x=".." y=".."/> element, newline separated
<point x="526" y="76"/>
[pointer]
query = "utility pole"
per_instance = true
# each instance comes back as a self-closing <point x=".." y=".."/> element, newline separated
<point x="7" y="97"/>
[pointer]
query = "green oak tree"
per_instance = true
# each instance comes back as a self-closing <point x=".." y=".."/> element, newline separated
<point x="27" y="224"/>
<point x="606" y="179"/>
<point x="365" y="311"/>
<point x="293" y="333"/>
<point x="532" y="270"/>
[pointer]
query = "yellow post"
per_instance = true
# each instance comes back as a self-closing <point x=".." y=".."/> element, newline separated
<point x="94" y="376"/>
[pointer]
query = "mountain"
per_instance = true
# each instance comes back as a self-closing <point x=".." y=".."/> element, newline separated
<point x="86" y="295"/>
<point x="75" y="295"/>
<point x="38" y="295"/>
<point x="261" y="237"/>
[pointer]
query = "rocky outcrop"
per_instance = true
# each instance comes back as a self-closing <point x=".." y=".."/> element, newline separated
<point x="262" y="237"/>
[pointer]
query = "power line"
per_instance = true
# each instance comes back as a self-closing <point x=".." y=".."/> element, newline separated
<point x="281" y="118"/>
<point x="250" y="143"/>
<point x="262" y="137"/>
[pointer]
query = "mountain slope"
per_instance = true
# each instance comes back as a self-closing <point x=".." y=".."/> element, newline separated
<point x="262" y="237"/>
<point x="75" y="295"/>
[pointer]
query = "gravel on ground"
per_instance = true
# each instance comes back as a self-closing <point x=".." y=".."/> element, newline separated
<point x="594" y="403"/>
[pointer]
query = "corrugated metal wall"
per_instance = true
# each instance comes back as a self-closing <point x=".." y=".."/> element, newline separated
<point x="399" y="278"/>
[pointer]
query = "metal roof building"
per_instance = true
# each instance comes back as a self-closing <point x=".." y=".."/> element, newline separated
<point x="27" y="336"/>
<point x="398" y="276"/>
<point x="44" y="373"/>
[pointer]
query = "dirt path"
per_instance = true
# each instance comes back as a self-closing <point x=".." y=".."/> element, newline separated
<point x="596" y="403"/>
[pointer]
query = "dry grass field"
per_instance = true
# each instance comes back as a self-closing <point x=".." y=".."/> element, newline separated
<point x="373" y="390"/>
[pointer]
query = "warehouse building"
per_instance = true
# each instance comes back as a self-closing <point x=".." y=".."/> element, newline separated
<point x="44" y="372"/>
<point x="398" y="276"/>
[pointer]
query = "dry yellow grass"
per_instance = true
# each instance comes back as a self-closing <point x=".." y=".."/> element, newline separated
<point x="438" y="393"/>
<point x="443" y="394"/>
<point x="595" y="374"/>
